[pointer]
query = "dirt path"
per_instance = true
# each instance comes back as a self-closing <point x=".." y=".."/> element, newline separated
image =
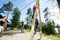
<point x="16" y="35"/>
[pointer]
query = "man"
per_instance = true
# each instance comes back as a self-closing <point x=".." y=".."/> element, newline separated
<point x="36" y="26"/>
<point x="22" y="26"/>
<point x="3" y="24"/>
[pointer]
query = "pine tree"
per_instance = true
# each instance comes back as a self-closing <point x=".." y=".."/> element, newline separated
<point x="16" y="17"/>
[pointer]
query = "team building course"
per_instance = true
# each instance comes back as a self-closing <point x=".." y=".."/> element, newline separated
<point x="35" y="9"/>
<point x="15" y="29"/>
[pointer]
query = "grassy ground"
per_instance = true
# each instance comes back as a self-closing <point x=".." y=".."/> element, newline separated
<point x="53" y="37"/>
<point x="27" y="30"/>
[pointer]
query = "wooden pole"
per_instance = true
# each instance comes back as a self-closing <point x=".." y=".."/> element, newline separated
<point x="37" y="6"/>
<point x="40" y="24"/>
<point x="33" y="24"/>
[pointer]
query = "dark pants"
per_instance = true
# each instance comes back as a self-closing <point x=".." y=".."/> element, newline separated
<point x="36" y="27"/>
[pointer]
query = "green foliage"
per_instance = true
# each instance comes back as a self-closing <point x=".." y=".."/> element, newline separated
<point x="16" y="17"/>
<point x="29" y="12"/>
<point x="44" y="27"/>
<point x="27" y="27"/>
<point x="27" y="19"/>
<point x="29" y="16"/>
<point x="49" y="27"/>
<point x="46" y="15"/>
<point x="27" y="30"/>
<point x="54" y="37"/>
<point x="9" y="26"/>
<point x="8" y="6"/>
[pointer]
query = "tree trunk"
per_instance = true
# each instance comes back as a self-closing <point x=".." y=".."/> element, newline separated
<point x="58" y="5"/>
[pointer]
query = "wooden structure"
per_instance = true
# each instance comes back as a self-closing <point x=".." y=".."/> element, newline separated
<point x="35" y="9"/>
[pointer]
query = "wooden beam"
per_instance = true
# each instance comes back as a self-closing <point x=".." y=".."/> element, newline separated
<point x="33" y="24"/>
<point x="37" y="6"/>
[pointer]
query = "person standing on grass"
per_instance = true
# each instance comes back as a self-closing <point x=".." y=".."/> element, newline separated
<point x="22" y="26"/>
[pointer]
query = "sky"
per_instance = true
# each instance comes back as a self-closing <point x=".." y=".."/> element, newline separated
<point x="43" y="4"/>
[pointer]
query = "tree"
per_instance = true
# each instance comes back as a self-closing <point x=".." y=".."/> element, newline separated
<point x="58" y="3"/>
<point x="46" y="14"/>
<point x="29" y="16"/>
<point x="16" y="17"/>
<point x="50" y="27"/>
<point x="7" y="7"/>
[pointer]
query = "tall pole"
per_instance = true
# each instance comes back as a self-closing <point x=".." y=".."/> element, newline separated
<point x="33" y="24"/>
<point x="40" y="22"/>
<point x="37" y="6"/>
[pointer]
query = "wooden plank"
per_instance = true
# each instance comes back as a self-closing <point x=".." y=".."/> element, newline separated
<point x="33" y="24"/>
<point x="40" y="24"/>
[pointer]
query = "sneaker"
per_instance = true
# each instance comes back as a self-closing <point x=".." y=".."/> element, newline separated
<point x="34" y="33"/>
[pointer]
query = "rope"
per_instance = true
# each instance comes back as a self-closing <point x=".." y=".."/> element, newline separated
<point x="27" y="5"/>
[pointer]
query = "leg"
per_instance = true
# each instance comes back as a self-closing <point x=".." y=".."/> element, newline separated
<point x="0" y="32"/>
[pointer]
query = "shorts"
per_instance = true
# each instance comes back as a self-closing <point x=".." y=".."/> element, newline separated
<point x="1" y="28"/>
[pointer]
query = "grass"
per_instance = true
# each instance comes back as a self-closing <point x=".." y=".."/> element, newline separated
<point x="53" y="37"/>
<point x="27" y="30"/>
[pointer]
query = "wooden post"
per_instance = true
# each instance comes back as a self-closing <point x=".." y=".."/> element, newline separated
<point x="37" y="6"/>
<point x="40" y="24"/>
<point x="33" y="24"/>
